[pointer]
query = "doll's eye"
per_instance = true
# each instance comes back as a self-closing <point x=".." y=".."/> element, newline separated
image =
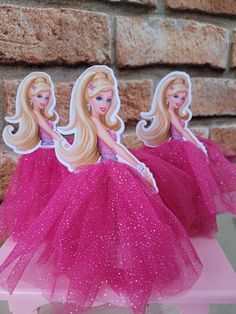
<point x="39" y="96"/>
<point x="47" y="98"/>
<point x="183" y="98"/>
<point x="176" y="96"/>
<point x="99" y="98"/>
<point x="109" y="100"/>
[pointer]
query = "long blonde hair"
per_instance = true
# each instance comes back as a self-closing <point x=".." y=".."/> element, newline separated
<point x="159" y="129"/>
<point x="26" y="139"/>
<point x="84" y="149"/>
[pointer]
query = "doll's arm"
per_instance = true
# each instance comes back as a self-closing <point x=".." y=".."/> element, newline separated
<point x="186" y="133"/>
<point x="123" y="152"/>
<point x="197" y="142"/>
<point x="42" y="122"/>
<point x="180" y="128"/>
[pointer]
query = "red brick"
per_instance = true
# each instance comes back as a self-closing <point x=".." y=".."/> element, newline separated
<point x="60" y="36"/>
<point x="155" y="40"/>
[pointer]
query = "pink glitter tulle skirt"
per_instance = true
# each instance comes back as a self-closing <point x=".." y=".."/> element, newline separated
<point x="104" y="237"/>
<point x="227" y="152"/>
<point x="35" y="179"/>
<point x="195" y="187"/>
<point x="223" y="177"/>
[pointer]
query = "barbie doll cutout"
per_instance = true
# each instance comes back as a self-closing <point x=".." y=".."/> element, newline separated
<point x="200" y="182"/>
<point x="105" y="236"/>
<point x="38" y="172"/>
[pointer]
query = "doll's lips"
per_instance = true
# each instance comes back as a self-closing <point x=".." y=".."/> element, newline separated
<point x="103" y="109"/>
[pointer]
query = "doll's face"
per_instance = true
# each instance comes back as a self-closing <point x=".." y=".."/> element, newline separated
<point x="177" y="100"/>
<point x="40" y="100"/>
<point x="101" y="102"/>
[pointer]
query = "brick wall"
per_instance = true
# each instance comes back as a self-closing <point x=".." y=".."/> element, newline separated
<point x="142" y="40"/>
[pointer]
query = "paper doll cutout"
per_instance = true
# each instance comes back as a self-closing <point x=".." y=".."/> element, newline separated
<point x="34" y="114"/>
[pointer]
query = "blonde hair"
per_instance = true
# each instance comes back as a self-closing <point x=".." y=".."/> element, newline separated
<point x="159" y="129"/>
<point x="84" y="149"/>
<point x="26" y="138"/>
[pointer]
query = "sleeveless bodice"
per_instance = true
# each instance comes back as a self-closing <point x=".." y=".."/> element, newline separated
<point x="105" y="151"/>
<point x="175" y="135"/>
<point x="46" y="139"/>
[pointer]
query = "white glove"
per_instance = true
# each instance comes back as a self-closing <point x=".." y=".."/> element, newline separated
<point x="146" y="173"/>
<point x="203" y="148"/>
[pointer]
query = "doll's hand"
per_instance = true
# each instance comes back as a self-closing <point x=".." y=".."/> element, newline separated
<point x="146" y="173"/>
<point x="203" y="148"/>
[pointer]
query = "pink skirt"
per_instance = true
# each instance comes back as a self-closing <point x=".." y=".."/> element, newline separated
<point x="195" y="187"/>
<point x="35" y="179"/>
<point x="105" y="237"/>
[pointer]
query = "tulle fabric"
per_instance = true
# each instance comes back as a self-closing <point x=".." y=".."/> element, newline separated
<point x="223" y="176"/>
<point x="104" y="237"/>
<point x="173" y="166"/>
<point x="36" y="177"/>
<point x="195" y="187"/>
<point x="227" y="152"/>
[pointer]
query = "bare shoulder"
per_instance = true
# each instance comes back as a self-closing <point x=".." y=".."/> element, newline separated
<point x="99" y="127"/>
<point x="38" y="115"/>
<point x="172" y="114"/>
<point x="95" y="121"/>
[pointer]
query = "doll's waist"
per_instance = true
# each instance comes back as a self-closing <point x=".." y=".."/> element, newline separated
<point x="47" y="142"/>
<point x="111" y="157"/>
<point x="176" y="138"/>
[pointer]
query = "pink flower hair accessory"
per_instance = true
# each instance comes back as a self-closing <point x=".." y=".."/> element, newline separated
<point x="33" y="86"/>
<point x="91" y="86"/>
<point x="171" y="87"/>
